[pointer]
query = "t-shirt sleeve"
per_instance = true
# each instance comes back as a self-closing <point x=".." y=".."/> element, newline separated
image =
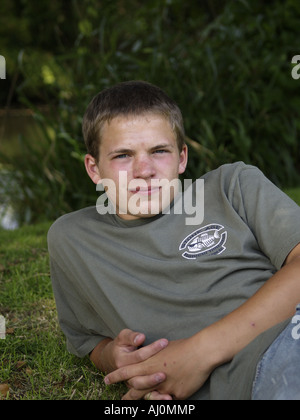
<point x="73" y="314"/>
<point x="271" y="215"/>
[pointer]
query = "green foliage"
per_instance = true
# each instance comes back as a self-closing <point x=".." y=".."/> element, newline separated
<point x="294" y="194"/>
<point x="226" y="63"/>
<point x="43" y="181"/>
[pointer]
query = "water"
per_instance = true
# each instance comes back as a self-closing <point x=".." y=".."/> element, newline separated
<point x="12" y="125"/>
<point x="8" y="219"/>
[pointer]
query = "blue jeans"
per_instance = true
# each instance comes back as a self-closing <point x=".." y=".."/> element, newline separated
<point x="278" y="372"/>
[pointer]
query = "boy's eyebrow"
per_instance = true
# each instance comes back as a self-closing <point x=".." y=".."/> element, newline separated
<point x="119" y="151"/>
<point x="163" y="146"/>
<point x="125" y="151"/>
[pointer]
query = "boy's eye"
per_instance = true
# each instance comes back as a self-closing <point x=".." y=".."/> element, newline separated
<point x="126" y="155"/>
<point x="121" y="156"/>
<point x="160" y="151"/>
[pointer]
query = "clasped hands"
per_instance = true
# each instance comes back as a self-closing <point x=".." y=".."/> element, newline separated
<point x="163" y="370"/>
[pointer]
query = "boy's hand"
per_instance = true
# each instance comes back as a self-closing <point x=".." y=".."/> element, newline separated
<point x="186" y="364"/>
<point x="124" y="351"/>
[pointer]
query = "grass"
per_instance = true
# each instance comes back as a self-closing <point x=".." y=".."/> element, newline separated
<point x="294" y="193"/>
<point x="34" y="362"/>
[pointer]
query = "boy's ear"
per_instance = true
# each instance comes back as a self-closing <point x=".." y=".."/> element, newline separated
<point x="183" y="160"/>
<point x="92" y="169"/>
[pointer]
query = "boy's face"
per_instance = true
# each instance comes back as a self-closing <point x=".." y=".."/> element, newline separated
<point x="144" y="150"/>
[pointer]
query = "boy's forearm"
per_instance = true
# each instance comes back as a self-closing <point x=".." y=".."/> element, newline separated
<point x="99" y="358"/>
<point x="217" y="344"/>
<point x="275" y="302"/>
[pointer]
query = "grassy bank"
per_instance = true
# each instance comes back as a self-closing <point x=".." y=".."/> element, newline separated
<point x="34" y="362"/>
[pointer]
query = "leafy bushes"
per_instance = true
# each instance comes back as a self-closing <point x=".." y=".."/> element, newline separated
<point x="226" y="63"/>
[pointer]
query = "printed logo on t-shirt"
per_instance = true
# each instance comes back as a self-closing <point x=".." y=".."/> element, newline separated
<point x="208" y="240"/>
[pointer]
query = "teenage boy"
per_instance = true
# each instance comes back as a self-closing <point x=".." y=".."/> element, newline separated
<point x="174" y="309"/>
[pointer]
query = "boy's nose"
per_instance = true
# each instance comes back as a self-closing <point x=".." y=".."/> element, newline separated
<point x="143" y="168"/>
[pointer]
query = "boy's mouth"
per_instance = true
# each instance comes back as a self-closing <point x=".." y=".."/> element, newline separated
<point x="145" y="191"/>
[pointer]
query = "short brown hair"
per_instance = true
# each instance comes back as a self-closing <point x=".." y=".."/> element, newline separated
<point x="131" y="98"/>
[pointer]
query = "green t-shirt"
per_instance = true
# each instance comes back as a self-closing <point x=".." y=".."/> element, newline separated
<point x="168" y="279"/>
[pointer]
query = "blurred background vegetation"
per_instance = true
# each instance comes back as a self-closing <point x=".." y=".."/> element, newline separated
<point x="226" y="63"/>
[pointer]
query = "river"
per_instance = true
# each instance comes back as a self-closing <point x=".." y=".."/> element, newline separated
<point x="13" y="124"/>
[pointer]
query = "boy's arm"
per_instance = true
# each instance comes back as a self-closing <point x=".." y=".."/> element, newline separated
<point x="188" y="363"/>
<point x="96" y="356"/>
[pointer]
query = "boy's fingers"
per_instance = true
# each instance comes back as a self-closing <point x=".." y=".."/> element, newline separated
<point x="146" y="382"/>
<point x="130" y="338"/>
<point x="120" y="375"/>
<point x="134" y="394"/>
<point x="133" y="367"/>
<point x="131" y="362"/>
<point x="155" y="396"/>
<point x="144" y="353"/>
